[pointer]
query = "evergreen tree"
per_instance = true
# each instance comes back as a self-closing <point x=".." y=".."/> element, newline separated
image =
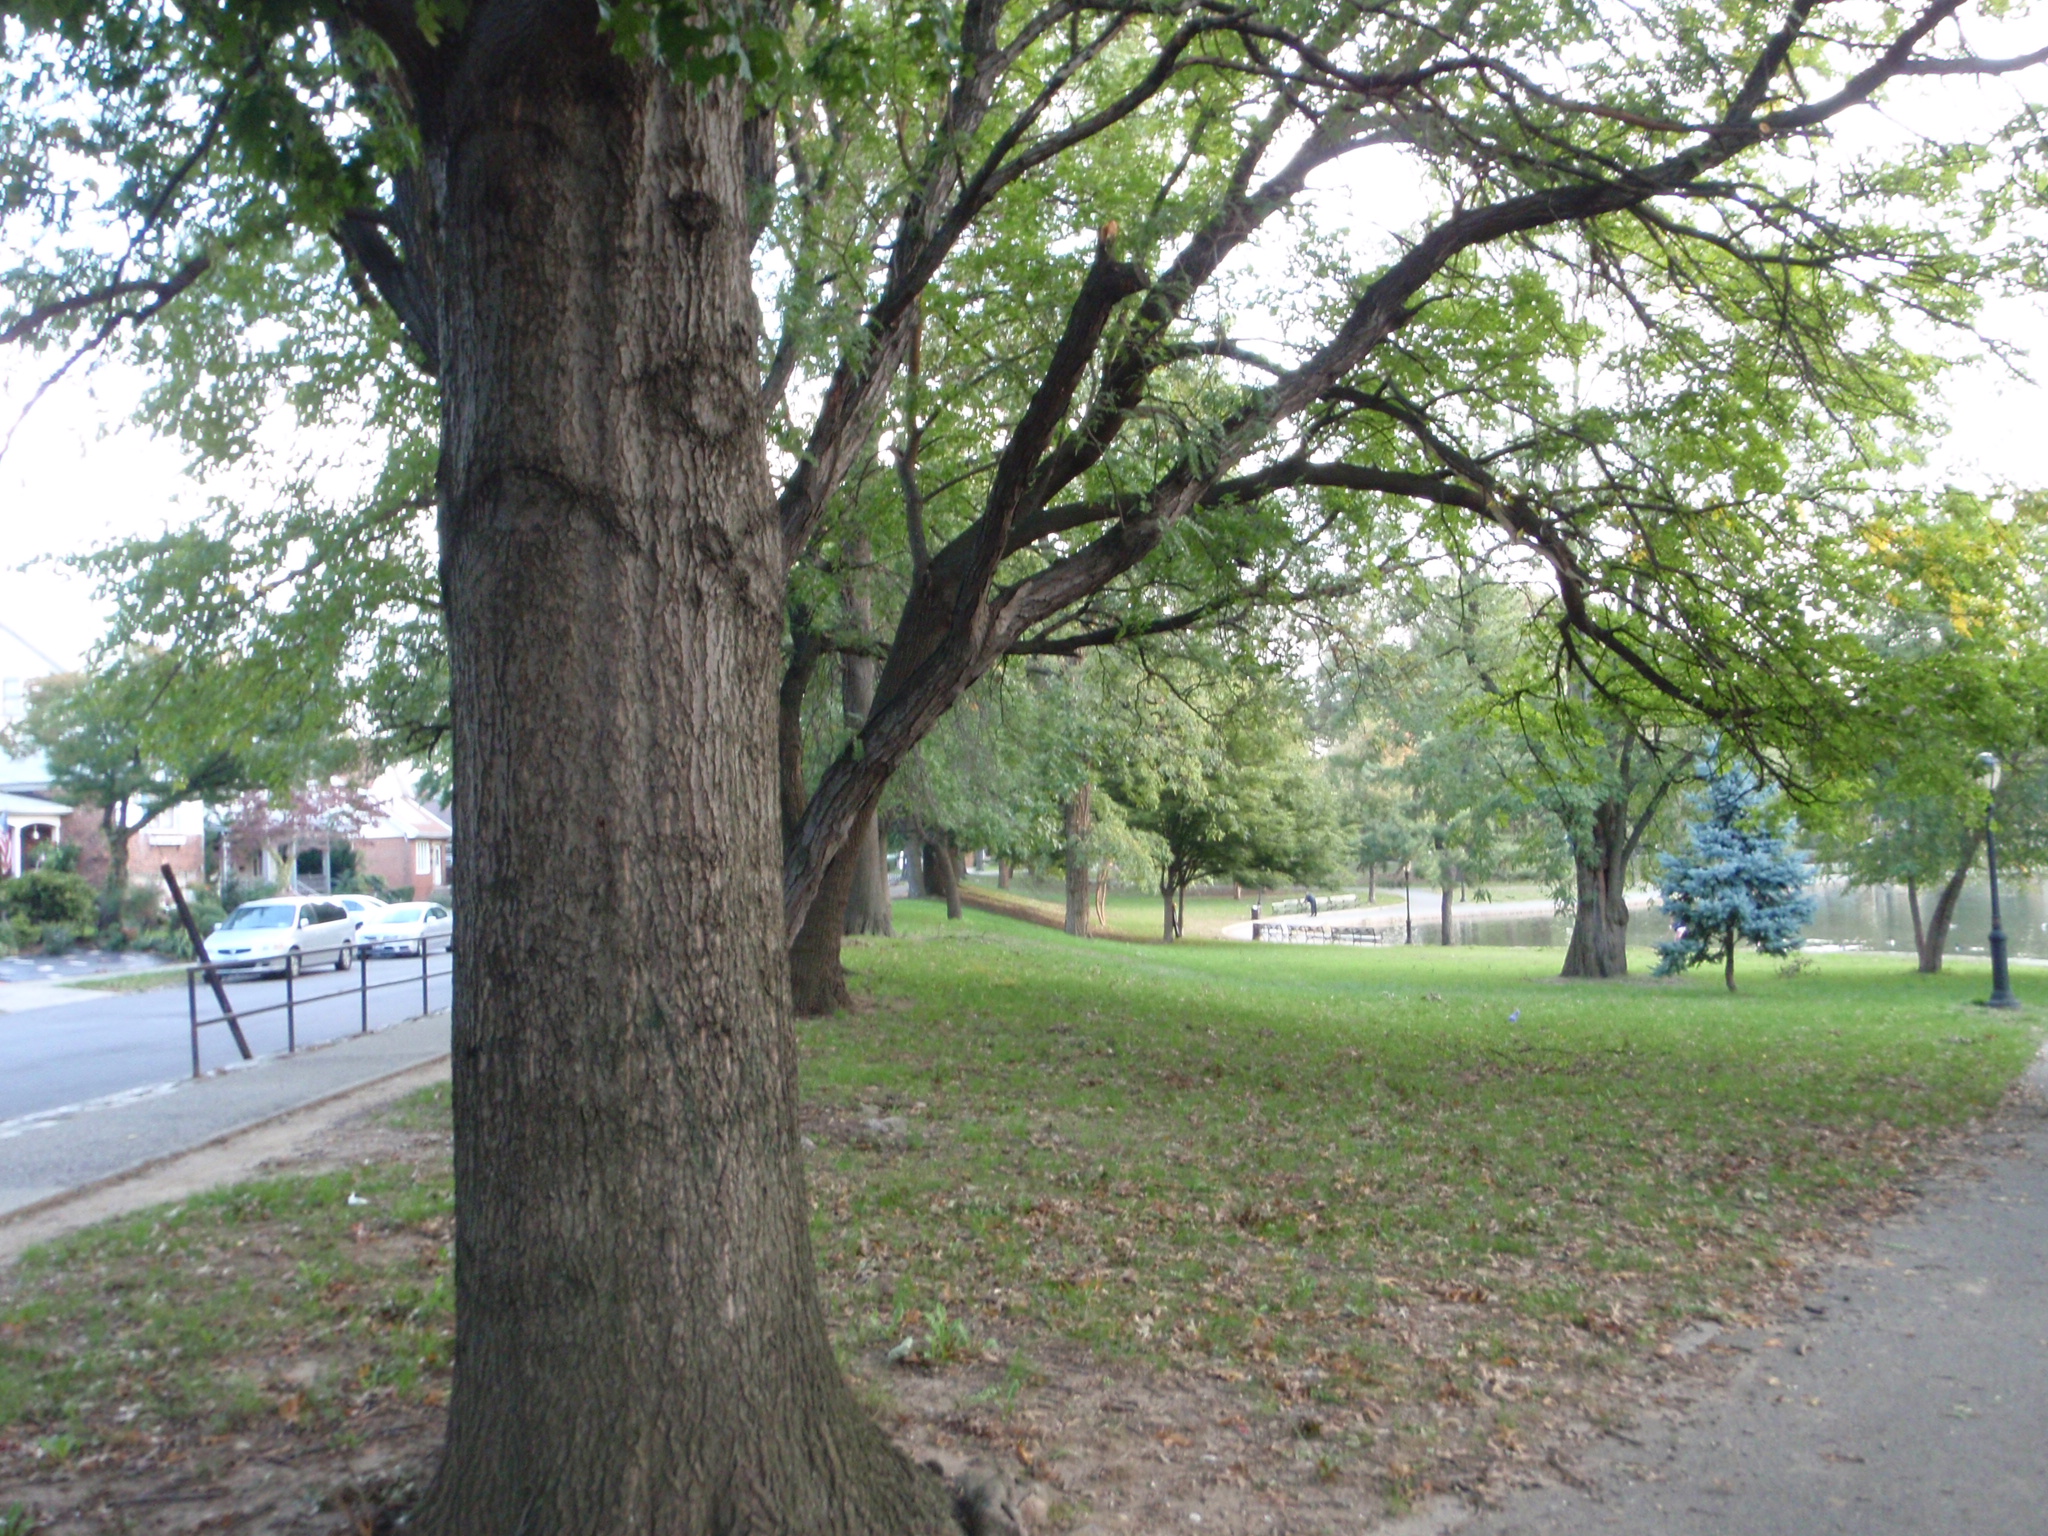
<point x="1738" y="879"/>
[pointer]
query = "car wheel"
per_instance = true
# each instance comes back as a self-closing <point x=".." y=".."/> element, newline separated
<point x="346" y="958"/>
<point x="291" y="966"/>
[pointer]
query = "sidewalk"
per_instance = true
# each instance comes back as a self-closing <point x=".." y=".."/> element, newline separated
<point x="1905" y="1397"/>
<point x="44" y="1155"/>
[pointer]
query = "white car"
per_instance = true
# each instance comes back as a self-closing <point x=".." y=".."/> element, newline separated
<point x="361" y="908"/>
<point x="284" y="933"/>
<point x="409" y="928"/>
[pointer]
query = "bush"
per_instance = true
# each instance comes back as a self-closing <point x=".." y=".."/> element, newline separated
<point x="50" y="896"/>
<point x="236" y="892"/>
<point x="58" y="859"/>
<point x="26" y="934"/>
<point x="59" y="938"/>
<point x="169" y="942"/>
<point x="206" y="911"/>
<point x="142" y="907"/>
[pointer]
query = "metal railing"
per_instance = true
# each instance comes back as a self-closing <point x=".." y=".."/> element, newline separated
<point x="214" y="975"/>
<point x="1314" y="933"/>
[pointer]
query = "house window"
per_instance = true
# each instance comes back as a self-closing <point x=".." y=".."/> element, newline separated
<point x="422" y="858"/>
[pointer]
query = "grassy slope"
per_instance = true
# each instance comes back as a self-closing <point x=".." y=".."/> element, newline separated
<point x="1345" y="1177"/>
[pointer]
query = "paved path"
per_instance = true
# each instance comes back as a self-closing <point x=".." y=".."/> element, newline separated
<point x="43" y="1155"/>
<point x="1907" y="1397"/>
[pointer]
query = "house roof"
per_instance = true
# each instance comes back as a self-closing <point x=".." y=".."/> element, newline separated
<point x="403" y="816"/>
<point x="29" y="805"/>
<point x="24" y="775"/>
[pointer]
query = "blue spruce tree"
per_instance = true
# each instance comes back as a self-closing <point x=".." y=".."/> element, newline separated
<point x="1738" y="880"/>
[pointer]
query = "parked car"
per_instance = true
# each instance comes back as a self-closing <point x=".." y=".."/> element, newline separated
<point x="284" y="933"/>
<point x="409" y="928"/>
<point x="361" y="908"/>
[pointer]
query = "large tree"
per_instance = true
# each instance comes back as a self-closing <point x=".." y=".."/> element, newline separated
<point x="548" y="208"/>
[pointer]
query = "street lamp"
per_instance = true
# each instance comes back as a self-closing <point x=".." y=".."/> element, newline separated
<point x="2001" y="975"/>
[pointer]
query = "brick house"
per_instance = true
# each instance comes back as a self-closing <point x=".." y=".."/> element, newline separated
<point x="407" y="847"/>
<point x="177" y="838"/>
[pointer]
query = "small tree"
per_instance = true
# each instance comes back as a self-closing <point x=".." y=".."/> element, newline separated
<point x="1738" y="879"/>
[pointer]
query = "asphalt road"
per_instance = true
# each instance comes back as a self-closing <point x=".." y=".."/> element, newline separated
<point x="115" y="1043"/>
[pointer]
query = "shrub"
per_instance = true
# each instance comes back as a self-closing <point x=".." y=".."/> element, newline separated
<point x="206" y="911"/>
<point x="236" y="892"/>
<point x="50" y="896"/>
<point x="170" y="942"/>
<point x="58" y="859"/>
<point x="59" y="938"/>
<point x="142" y="906"/>
<point x="26" y="935"/>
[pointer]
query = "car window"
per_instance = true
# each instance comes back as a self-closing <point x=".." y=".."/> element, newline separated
<point x="333" y="912"/>
<point x="260" y="917"/>
<point x="436" y="913"/>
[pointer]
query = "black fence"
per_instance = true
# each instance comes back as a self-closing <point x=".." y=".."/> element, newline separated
<point x="420" y="975"/>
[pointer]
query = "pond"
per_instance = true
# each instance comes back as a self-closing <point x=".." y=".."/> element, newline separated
<point x="1863" y="919"/>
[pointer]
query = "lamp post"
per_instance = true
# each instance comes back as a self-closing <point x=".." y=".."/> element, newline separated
<point x="2001" y="975"/>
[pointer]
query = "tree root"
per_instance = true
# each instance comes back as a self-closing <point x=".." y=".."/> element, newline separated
<point x="985" y="1501"/>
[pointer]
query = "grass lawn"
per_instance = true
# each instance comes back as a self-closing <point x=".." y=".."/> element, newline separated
<point x="131" y="981"/>
<point x="1140" y="915"/>
<point x="1413" y="1205"/>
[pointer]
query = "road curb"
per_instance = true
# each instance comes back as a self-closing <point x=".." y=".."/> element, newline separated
<point x="150" y="1165"/>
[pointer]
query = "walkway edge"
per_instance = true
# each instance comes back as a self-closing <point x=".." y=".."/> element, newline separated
<point x="428" y="1069"/>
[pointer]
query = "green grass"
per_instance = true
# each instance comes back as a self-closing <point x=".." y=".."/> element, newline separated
<point x="278" y="1298"/>
<point x="131" y="981"/>
<point x="1343" y="1177"/>
<point x="1141" y="915"/>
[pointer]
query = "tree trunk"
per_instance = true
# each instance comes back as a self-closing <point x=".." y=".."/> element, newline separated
<point x="1919" y="927"/>
<point x="913" y="865"/>
<point x="817" y="977"/>
<point x="114" y="829"/>
<point x="942" y="874"/>
<point x="1002" y="874"/>
<point x="1371" y="874"/>
<point x="1728" y="970"/>
<point x="867" y="899"/>
<point x="639" y="1343"/>
<point x="1934" y="943"/>
<point x="1076" y="817"/>
<point x="1444" y="913"/>
<point x="1599" y="942"/>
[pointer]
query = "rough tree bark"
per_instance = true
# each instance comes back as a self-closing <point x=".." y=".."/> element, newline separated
<point x="1444" y="935"/>
<point x="639" y="1345"/>
<point x="1599" y="942"/>
<point x="1932" y="940"/>
<point x="1076" y="818"/>
<point x="867" y="899"/>
<point x="942" y="872"/>
<point x="913" y="864"/>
